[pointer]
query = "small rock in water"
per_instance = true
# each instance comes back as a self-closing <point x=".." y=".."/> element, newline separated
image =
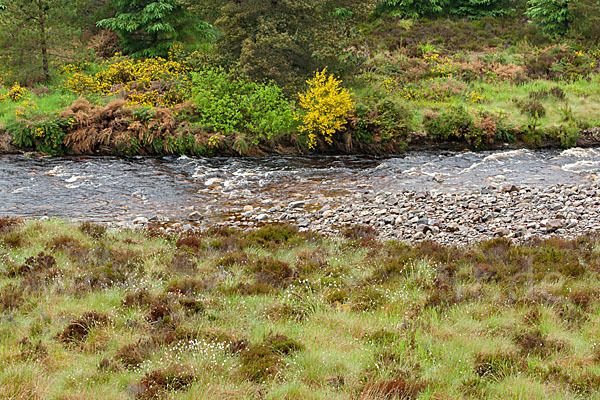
<point x="194" y="216"/>
<point x="140" y="221"/>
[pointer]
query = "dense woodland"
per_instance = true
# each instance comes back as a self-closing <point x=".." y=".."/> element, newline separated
<point x="253" y="77"/>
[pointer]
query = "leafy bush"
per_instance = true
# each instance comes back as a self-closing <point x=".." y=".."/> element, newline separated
<point x="480" y="8"/>
<point x="456" y="123"/>
<point x="552" y="16"/>
<point x="326" y="107"/>
<point x="228" y="105"/>
<point x="44" y="136"/>
<point x="411" y="8"/>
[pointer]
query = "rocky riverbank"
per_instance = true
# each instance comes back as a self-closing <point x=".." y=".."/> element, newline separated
<point x="519" y="213"/>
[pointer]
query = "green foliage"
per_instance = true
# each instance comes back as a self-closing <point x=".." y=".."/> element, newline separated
<point x="456" y="123"/>
<point x="586" y="19"/>
<point x="229" y="105"/>
<point x="150" y="28"/>
<point x="411" y="8"/>
<point x="45" y="136"/>
<point x="552" y="16"/>
<point x="481" y="8"/>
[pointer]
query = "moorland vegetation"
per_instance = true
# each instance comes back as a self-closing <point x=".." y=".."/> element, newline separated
<point x="91" y="312"/>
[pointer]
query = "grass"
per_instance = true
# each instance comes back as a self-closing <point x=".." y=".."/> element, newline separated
<point x="279" y="314"/>
<point x="47" y="104"/>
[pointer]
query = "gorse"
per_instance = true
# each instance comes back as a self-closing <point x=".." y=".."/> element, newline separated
<point x="326" y="106"/>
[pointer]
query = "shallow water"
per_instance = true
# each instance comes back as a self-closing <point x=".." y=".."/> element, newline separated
<point x="108" y="188"/>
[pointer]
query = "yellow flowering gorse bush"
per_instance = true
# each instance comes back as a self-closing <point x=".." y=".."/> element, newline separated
<point x="326" y="107"/>
<point x="148" y="82"/>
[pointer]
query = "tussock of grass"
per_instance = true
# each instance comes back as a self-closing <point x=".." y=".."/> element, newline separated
<point x="277" y="313"/>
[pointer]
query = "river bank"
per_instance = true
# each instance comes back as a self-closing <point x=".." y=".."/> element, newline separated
<point x="343" y="145"/>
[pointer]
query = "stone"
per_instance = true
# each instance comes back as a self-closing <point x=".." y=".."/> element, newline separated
<point x="262" y="217"/>
<point x="248" y="208"/>
<point x="554" y="224"/>
<point x="194" y="216"/>
<point x="140" y="221"/>
<point x="297" y="204"/>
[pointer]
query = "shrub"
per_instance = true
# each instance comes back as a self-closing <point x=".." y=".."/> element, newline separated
<point x="149" y="82"/>
<point x="411" y="8"/>
<point x="228" y="105"/>
<point x="454" y="123"/>
<point x="534" y="109"/>
<point x="326" y="107"/>
<point x="45" y="136"/>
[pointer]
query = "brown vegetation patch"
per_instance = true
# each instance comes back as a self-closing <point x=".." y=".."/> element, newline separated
<point x="183" y="263"/>
<point x="115" y="126"/>
<point x="191" y="241"/>
<point x="8" y="223"/>
<point x="78" y="330"/>
<point x="273" y="272"/>
<point x="263" y="360"/>
<point x="159" y="313"/>
<point x="31" y="351"/>
<point x="133" y="354"/>
<point x="11" y="297"/>
<point x="94" y="230"/>
<point x="536" y="343"/>
<point x="139" y="298"/>
<point x="157" y="383"/>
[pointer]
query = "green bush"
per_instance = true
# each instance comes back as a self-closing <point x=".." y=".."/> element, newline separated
<point x="229" y="105"/>
<point x="411" y="8"/>
<point x="45" y="136"/>
<point x="454" y="123"/>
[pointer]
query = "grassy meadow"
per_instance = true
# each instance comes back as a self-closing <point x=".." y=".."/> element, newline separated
<point x="89" y="312"/>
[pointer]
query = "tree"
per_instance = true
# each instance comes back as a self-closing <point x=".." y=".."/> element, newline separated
<point x="554" y="17"/>
<point x="149" y="28"/>
<point x="287" y="40"/>
<point x="586" y="19"/>
<point x="29" y="29"/>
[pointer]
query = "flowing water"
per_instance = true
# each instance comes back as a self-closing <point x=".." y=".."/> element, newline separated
<point x="113" y="189"/>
